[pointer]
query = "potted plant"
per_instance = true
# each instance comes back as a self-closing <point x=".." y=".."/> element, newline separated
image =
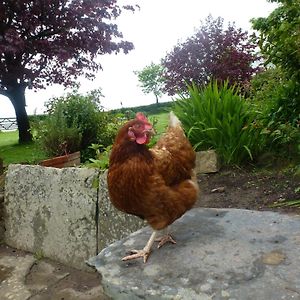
<point x="63" y="161"/>
<point x="60" y="141"/>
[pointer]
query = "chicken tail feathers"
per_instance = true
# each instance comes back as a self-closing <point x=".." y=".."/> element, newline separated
<point x="173" y="120"/>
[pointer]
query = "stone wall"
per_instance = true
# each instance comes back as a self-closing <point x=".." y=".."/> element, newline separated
<point x="65" y="214"/>
<point x="62" y="214"/>
<point x="112" y="224"/>
<point x="2" y="228"/>
<point x="2" y="178"/>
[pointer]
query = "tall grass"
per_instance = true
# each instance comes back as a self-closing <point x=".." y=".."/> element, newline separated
<point x="216" y="117"/>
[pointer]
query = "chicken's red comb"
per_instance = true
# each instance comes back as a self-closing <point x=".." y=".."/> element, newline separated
<point x="140" y="116"/>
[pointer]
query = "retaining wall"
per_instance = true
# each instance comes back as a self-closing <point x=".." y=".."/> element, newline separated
<point x="64" y="214"/>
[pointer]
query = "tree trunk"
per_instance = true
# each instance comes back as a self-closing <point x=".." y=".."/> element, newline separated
<point x="156" y="97"/>
<point x="17" y="98"/>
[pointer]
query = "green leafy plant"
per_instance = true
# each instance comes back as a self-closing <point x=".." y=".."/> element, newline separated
<point x="55" y="136"/>
<point x="39" y="254"/>
<point x="101" y="160"/>
<point x="287" y="203"/>
<point x="283" y="135"/>
<point x="81" y="111"/>
<point x="276" y="97"/>
<point x="216" y="117"/>
<point x="278" y="39"/>
<point x="85" y="113"/>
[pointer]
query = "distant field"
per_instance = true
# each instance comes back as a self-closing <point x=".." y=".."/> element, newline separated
<point x="12" y="152"/>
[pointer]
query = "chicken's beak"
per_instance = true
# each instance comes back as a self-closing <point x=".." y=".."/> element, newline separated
<point x="131" y="134"/>
<point x="150" y="132"/>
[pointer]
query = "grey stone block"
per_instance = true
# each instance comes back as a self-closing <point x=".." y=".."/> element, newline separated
<point x="52" y="212"/>
<point x="62" y="214"/>
<point x="207" y="162"/>
<point x="2" y="226"/>
<point x="220" y="254"/>
<point x="112" y="223"/>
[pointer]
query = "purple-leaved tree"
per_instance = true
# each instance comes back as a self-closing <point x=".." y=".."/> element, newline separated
<point x="211" y="53"/>
<point x="53" y="41"/>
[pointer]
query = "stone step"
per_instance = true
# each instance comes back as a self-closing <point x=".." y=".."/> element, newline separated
<point x="220" y="254"/>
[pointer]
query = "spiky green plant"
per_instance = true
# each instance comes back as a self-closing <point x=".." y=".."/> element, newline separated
<point x="216" y="117"/>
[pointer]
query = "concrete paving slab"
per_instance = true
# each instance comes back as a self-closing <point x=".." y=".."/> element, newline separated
<point x="14" y="270"/>
<point x="24" y="277"/>
<point x="220" y="254"/>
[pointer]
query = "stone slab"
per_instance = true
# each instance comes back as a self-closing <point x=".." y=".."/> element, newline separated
<point x="23" y="277"/>
<point x="207" y="162"/>
<point x="113" y="224"/>
<point x="51" y="212"/>
<point x="220" y="254"/>
<point x="13" y="271"/>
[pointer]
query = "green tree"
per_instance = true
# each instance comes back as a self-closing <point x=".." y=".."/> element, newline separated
<point x="151" y="79"/>
<point x="279" y="38"/>
<point x="279" y="41"/>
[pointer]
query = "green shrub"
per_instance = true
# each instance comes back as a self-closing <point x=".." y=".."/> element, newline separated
<point x="81" y="111"/>
<point x="283" y="139"/>
<point x="287" y="104"/>
<point x="216" y="117"/>
<point x="264" y="88"/>
<point x="101" y="160"/>
<point x="278" y="98"/>
<point x="85" y="113"/>
<point x="110" y="124"/>
<point x="55" y="136"/>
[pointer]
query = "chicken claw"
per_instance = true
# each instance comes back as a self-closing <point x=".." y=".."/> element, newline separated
<point x="165" y="239"/>
<point x="136" y="254"/>
<point x="142" y="253"/>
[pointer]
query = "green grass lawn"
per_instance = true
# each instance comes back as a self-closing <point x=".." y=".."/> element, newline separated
<point x="8" y="138"/>
<point x="12" y="152"/>
<point x="161" y="122"/>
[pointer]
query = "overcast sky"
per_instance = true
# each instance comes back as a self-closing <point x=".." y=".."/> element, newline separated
<point x="154" y="30"/>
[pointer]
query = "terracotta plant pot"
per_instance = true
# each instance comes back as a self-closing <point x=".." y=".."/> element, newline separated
<point x="68" y="160"/>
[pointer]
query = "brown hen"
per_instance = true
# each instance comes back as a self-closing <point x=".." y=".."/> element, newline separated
<point x="158" y="184"/>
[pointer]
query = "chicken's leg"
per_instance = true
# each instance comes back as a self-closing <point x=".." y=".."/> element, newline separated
<point x="144" y="252"/>
<point x="165" y="238"/>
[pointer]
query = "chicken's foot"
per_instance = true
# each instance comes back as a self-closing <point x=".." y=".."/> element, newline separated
<point x="165" y="239"/>
<point x="144" y="252"/>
